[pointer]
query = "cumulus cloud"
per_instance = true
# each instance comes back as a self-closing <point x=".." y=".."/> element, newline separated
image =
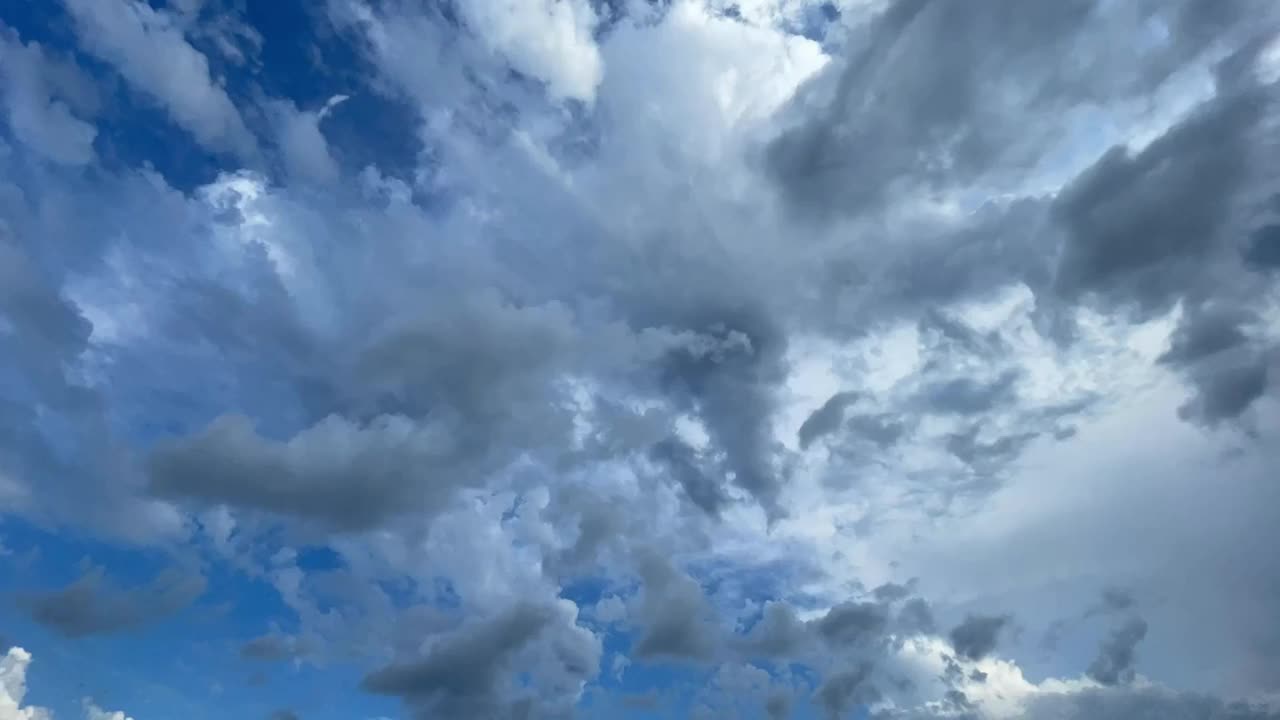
<point x="93" y="712"/>
<point x="1115" y="658"/>
<point x="470" y="670"/>
<point x="720" y="320"/>
<point x="977" y="635"/>
<point x="13" y="688"/>
<point x="550" y="41"/>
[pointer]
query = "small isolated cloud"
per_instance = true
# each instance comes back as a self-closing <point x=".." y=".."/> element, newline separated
<point x="95" y="605"/>
<point x="93" y="712"/>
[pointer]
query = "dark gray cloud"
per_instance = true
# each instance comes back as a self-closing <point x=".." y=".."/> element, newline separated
<point x="891" y="592"/>
<point x="826" y="419"/>
<point x="853" y="623"/>
<point x="94" y="605"/>
<point x="976" y="637"/>
<point x="844" y="689"/>
<point x="778" y="634"/>
<point x="1206" y="331"/>
<point x="777" y="707"/>
<point x="341" y="474"/>
<point x="459" y="675"/>
<point x="284" y="714"/>
<point x="1228" y="392"/>
<point x="1216" y="347"/>
<point x="915" y="617"/>
<point x="734" y="393"/>
<point x="675" y="619"/>
<point x="1114" y="663"/>
<point x="1142" y="227"/>
<point x="682" y="461"/>
<point x="953" y="93"/>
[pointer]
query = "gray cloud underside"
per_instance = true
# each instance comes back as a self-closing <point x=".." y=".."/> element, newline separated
<point x="94" y="605"/>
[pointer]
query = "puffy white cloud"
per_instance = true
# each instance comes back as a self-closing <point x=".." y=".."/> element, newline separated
<point x="13" y="688"/>
<point x="93" y="712"/>
<point x="550" y="40"/>
<point x="770" y="321"/>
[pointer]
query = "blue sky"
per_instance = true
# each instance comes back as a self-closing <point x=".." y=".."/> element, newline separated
<point x="875" y="359"/>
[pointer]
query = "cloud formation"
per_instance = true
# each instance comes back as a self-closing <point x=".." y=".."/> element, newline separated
<point x="699" y="359"/>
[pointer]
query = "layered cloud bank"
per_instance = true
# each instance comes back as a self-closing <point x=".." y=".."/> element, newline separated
<point x="568" y="359"/>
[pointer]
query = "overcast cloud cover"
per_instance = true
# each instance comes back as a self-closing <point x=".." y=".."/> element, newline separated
<point x="877" y="359"/>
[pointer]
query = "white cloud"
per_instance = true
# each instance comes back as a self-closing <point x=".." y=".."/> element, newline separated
<point x="149" y="50"/>
<point x="550" y="40"/>
<point x="13" y="688"/>
<point x="93" y="712"/>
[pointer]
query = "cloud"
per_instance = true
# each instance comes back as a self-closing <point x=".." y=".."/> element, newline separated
<point x="852" y="623"/>
<point x="131" y="36"/>
<point x="93" y="712"/>
<point x="1114" y="662"/>
<point x="1141" y="225"/>
<point x="826" y="419"/>
<point x="967" y="396"/>
<point x="93" y="605"/>
<point x="977" y="635"/>
<point x="468" y="671"/>
<point x="13" y="688"/>
<point x="37" y="113"/>
<point x="343" y="475"/>
<point x="464" y="671"/>
<point x="675" y="620"/>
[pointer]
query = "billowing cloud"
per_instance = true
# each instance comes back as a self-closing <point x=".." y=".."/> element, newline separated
<point x="13" y="688"/>
<point x="93" y="712"/>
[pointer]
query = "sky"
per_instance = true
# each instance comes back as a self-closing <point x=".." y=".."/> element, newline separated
<point x="639" y="359"/>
